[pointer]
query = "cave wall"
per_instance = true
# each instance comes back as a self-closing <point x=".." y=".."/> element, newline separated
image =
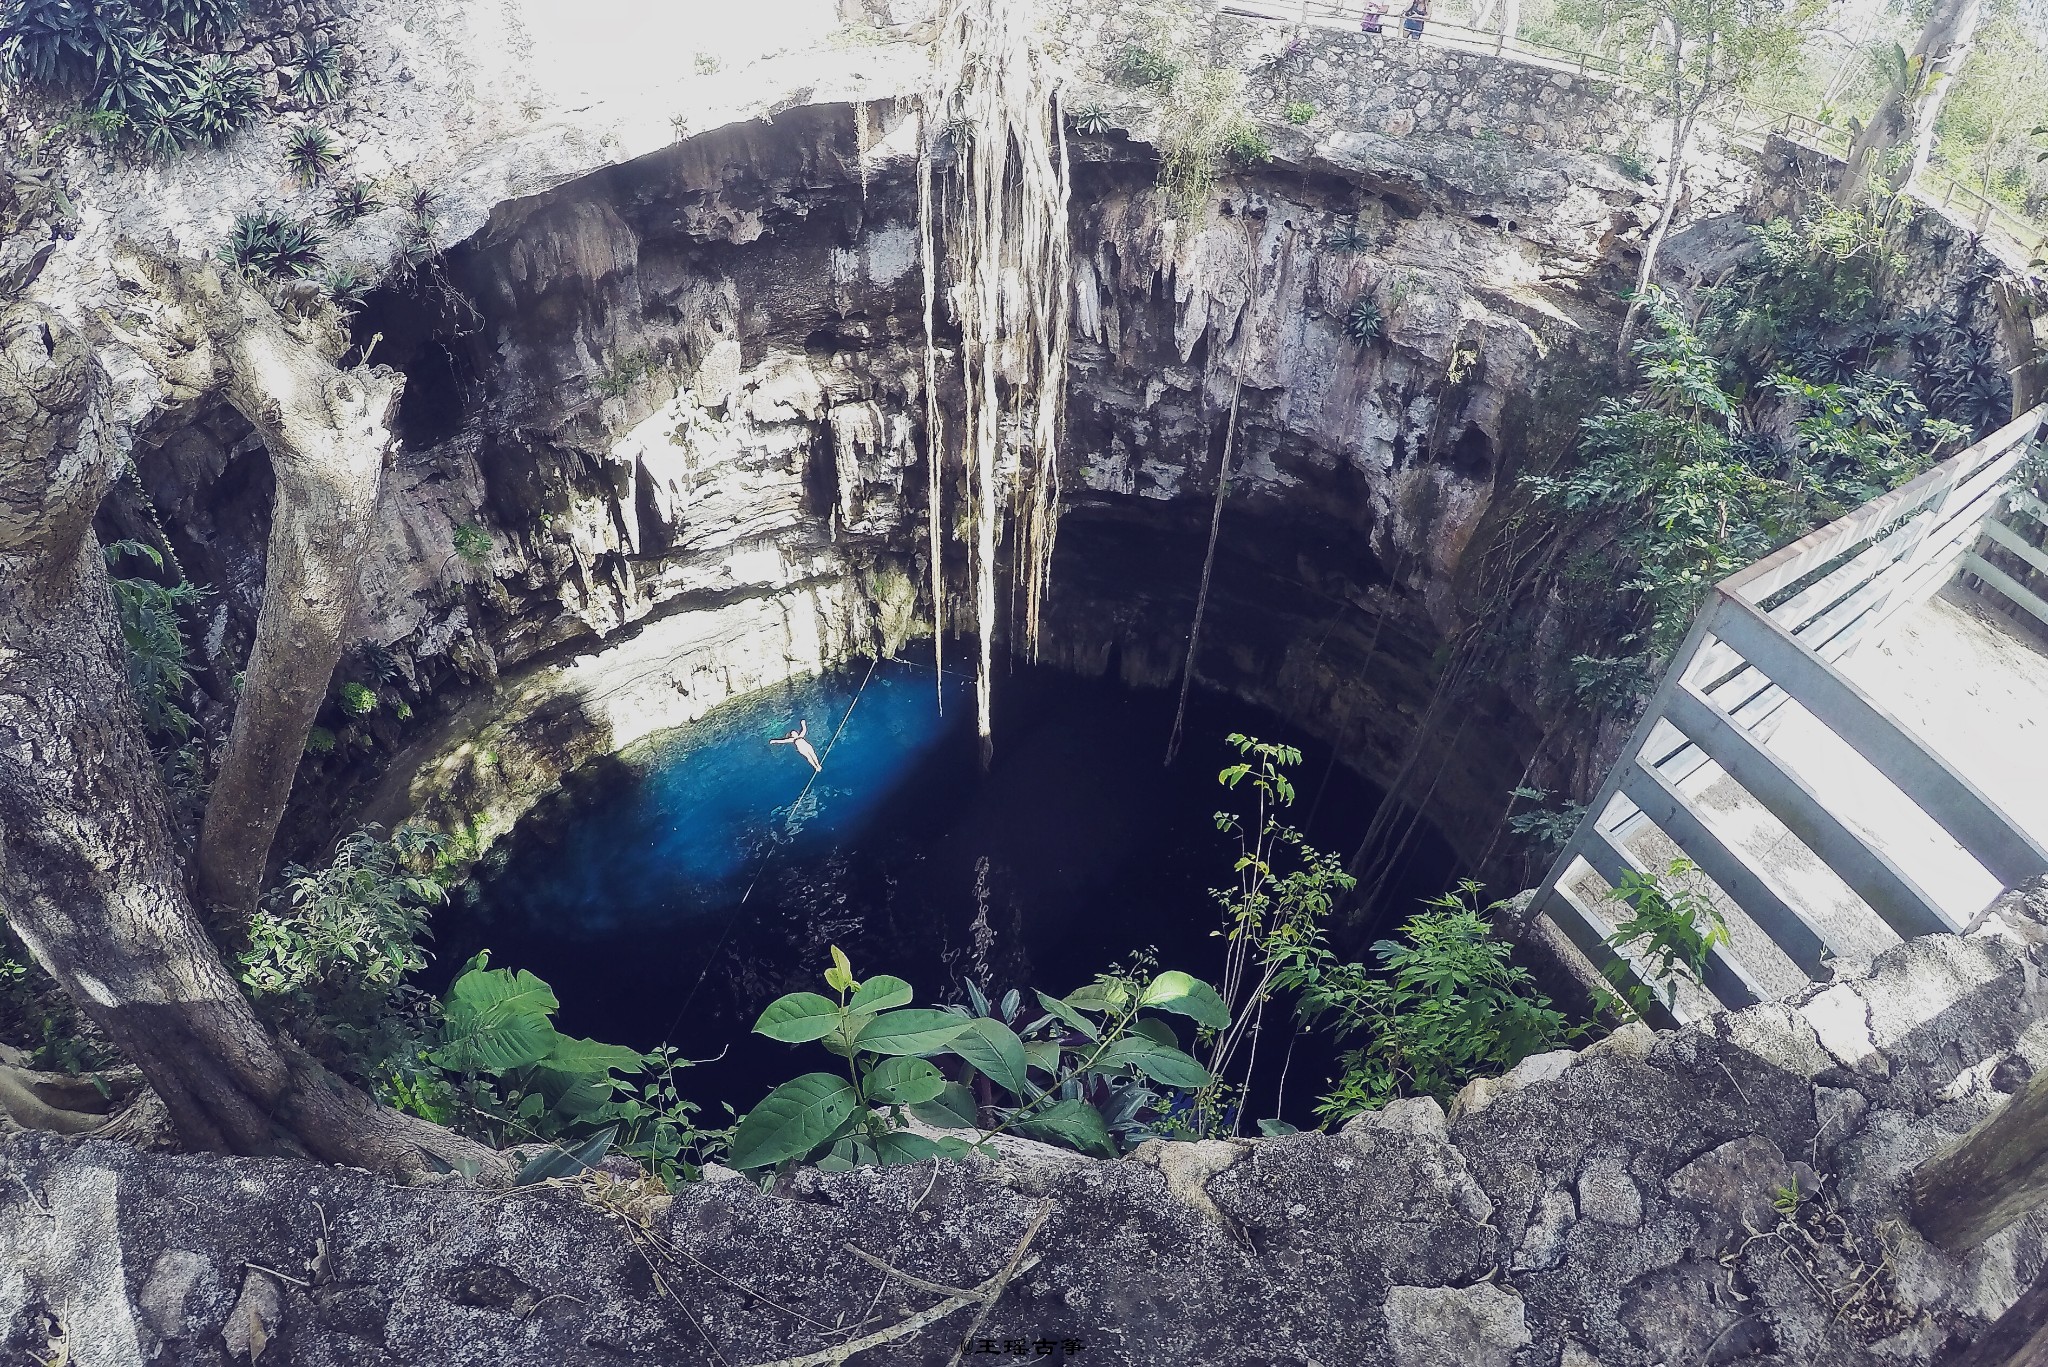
<point x="691" y="405"/>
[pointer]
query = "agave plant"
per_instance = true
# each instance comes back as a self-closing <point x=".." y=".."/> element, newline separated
<point x="310" y="153"/>
<point x="1364" y="323"/>
<point x="225" y="96"/>
<point x="145" y="76"/>
<point x="319" y="79"/>
<point x="1091" y="119"/>
<point x="198" y="20"/>
<point x="65" y="44"/>
<point x="346" y="286"/>
<point x="350" y="201"/>
<point x="272" y="245"/>
<point x="1346" y="236"/>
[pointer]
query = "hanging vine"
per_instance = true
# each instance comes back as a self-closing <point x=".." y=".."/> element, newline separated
<point x="993" y="186"/>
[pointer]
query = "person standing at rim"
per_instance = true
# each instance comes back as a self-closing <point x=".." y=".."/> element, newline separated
<point x="1412" y="17"/>
<point x="803" y="747"/>
<point x="1371" y="22"/>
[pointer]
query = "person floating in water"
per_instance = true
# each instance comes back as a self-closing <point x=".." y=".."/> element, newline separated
<point x="803" y="747"/>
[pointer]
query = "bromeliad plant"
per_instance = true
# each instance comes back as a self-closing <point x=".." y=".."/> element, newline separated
<point x="1081" y="1075"/>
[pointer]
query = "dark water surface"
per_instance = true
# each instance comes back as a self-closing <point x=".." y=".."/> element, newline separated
<point x="670" y="894"/>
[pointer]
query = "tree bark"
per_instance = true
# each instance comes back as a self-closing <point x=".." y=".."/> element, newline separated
<point x="1912" y="102"/>
<point x="328" y="434"/>
<point x="87" y="869"/>
<point x="1998" y="1173"/>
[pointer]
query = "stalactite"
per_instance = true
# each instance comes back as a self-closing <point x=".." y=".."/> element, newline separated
<point x="1000" y="212"/>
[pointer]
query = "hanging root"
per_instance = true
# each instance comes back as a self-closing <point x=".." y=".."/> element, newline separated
<point x="998" y="207"/>
<point x="1187" y="673"/>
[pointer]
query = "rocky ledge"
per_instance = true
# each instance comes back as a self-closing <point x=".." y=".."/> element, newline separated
<point x="1729" y="1191"/>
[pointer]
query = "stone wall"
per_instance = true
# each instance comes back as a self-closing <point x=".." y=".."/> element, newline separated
<point x="1627" y="1205"/>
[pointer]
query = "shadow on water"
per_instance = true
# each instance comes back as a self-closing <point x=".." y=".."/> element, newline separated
<point x="672" y="892"/>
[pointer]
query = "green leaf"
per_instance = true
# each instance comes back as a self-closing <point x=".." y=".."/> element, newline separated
<point x="496" y="1020"/>
<point x="561" y="1162"/>
<point x="903" y="1146"/>
<point x="918" y="1031"/>
<point x="1097" y="997"/>
<point x="880" y="993"/>
<point x="994" y="1048"/>
<point x="1156" y="1030"/>
<point x="571" y="1054"/>
<point x="1069" y="1015"/>
<point x="1044" y="1055"/>
<point x="793" y="1120"/>
<point x="1156" y="1061"/>
<point x="904" y="1082"/>
<point x="798" y="1017"/>
<point x="1185" y="995"/>
<point x="952" y="1109"/>
<point x="1273" y="1128"/>
<point x="1073" y="1123"/>
<point x="839" y="977"/>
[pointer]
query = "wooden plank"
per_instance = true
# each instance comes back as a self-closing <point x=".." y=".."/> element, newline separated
<point x="1869" y="871"/>
<point x="1747" y="885"/>
<point x="2012" y="541"/>
<point x="2020" y="594"/>
<point x="1976" y="822"/>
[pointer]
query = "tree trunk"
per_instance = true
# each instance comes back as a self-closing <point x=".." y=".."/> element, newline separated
<point x="1912" y="102"/>
<point x="1681" y="135"/>
<point x="1999" y="1172"/>
<point x="91" y="883"/>
<point x="328" y="433"/>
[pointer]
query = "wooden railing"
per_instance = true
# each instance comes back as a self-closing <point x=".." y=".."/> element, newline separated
<point x="1772" y="633"/>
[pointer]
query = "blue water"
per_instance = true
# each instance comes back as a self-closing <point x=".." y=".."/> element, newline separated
<point x="671" y="893"/>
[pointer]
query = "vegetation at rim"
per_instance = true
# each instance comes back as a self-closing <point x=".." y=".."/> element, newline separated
<point x="148" y="75"/>
<point x="1688" y="478"/>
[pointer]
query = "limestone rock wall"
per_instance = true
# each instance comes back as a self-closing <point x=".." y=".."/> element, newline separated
<point x="1627" y="1205"/>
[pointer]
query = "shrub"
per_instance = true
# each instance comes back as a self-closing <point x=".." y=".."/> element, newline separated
<point x="153" y="640"/>
<point x="356" y="700"/>
<point x="319" y="741"/>
<point x="225" y="96"/>
<point x="1445" y="1006"/>
<point x="1546" y="829"/>
<point x="473" y="544"/>
<point x="1245" y="144"/>
<point x="271" y="245"/>
<point x="1363" y="321"/>
<point x="1141" y="66"/>
<point x="1095" y="1055"/>
<point x="310" y="153"/>
<point x="1672" y="923"/>
<point x="1298" y="112"/>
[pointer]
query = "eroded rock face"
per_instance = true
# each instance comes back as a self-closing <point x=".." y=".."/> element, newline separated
<point x="1698" y="1196"/>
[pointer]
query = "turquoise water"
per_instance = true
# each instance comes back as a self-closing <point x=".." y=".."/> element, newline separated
<point x="671" y="894"/>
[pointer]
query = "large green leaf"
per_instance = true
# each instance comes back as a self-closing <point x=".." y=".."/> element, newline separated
<point x="1153" y="1028"/>
<point x="793" y="1120"/>
<point x="798" y="1017"/>
<point x="904" y="1082"/>
<point x="561" y="1162"/>
<point x="1156" y="1061"/>
<point x="994" y="1048"/>
<point x="917" y="1031"/>
<point x="573" y="1054"/>
<point x="952" y="1109"/>
<point x="880" y="993"/>
<point x="1073" y="1123"/>
<point x="1098" y="996"/>
<point x="496" y="1020"/>
<point x="1069" y="1015"/>
<point x="903" y="1146"/>
<point x="1044" y="1055"/>
<point x="1189" y="996"/>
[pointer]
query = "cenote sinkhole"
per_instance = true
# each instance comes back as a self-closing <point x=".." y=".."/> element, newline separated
<point x="669" y="893"/>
